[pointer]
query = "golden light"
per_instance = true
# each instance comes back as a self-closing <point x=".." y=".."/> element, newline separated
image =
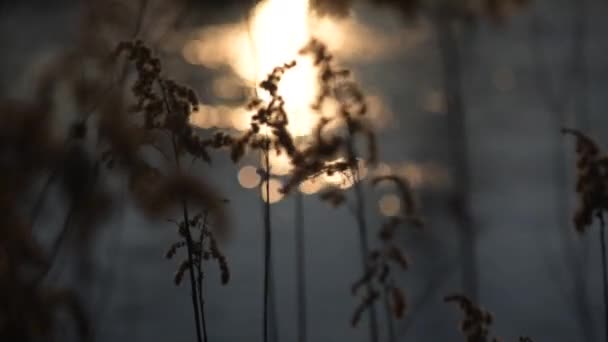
<point x="280" y="164"/>
<point x="273" y="34"/>
<point x="362" y="166"/>
<point x="248" y="177"/>
<point x="389" y="205"/>
<point x="278" y="29"/>
<point x="227" y="88"/>
<point x="275" y="194"/>
<point x="311" y="186"/>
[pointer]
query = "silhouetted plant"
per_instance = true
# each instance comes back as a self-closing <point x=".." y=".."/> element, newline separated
<point x="476" y="323"/>
<point x="166" y="106"/>
<point x="30" y="151"/>
<point x="592" y="193"/>
<point x="379" y="271"/>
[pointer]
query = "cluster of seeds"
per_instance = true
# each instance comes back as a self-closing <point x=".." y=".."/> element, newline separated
<point x="378" y="274"/>
<point x="476" y="323"/>
<point x="592" y="181"/>
<point x="206" y="248"/>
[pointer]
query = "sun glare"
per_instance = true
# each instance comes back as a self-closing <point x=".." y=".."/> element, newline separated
<point x="279" y="29"/>
<point x="273" y="35"/>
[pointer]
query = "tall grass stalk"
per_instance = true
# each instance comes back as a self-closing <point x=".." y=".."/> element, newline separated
<point x="187" y="234"/>
<point x="199" y="270"/>
<point x="364" y="246"/>
<point x="300" y="266"/>
<point x="389" y="317"/>
<point x="457" y="130"/>
<point x="364" y="243"/>
<point x="267" y="241"/>
<point x="190" y="248"/>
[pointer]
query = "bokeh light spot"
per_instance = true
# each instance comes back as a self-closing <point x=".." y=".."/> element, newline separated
<point x="249" y="177"/>
<point x="274" y="186"/>
<point x="390" y="205"/>
<point x="311" y="186"/>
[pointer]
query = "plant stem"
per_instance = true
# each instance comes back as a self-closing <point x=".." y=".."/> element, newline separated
<point x="300" y="267"/>
<point x="189" y="245"/>
<point x="201" y="302"/>
<point x="272" y="304"/>
<point x="364" y="245"/>
<point x="604" y="275"/>
<point x="389" y="317"/>
<point x="187" y="234"/>
<point x="267" y="243"/>
<point x="457" y="130"/>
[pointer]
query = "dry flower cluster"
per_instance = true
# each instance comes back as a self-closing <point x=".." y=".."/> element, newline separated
<point x="160" y="118"/>
<point x="379" y="271"/>
<point x="592" y="181"/>
<point x="31" y="154"/>
<point x="476" y="323"/>
<point x="205" y="248"/>
<point x="165" y="106"/>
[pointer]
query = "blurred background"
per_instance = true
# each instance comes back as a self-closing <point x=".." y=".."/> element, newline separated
<point x="468" y="102"/>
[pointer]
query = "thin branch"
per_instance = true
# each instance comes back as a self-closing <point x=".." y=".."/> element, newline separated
<point x="364" y="244"/>
<point x="199" y="270"/>
<point x="267" y="243"/>
<point x="187" y="234"/>
<point x="300" y="266"/>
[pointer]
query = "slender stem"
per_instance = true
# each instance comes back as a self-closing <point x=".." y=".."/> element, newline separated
<point x="300" y="267"/>
<point x="201" y="302"/>
<point x="457" y="130"/>
<point x="389" y="316"/>
<point x="190" y="245"/>
<point x="604" y="275"/>
<point x="272" y="304"/>
<point x="187" y="234"/>
<point x="364" y="244"/>
<point x="267" y="243"/>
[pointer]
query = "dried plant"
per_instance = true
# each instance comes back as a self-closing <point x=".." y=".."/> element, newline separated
<point x="204" y="249"/>
<point x="476" y="323"/>
<point x="322" y="155"/>
<point x="165" y="106"/>
<point x="269" y="132"/>
<point x="592" y="193"/>
<point x="592" y="174"/>
<point x="32" y="153"/>
<point x="379" y="273"/>
<point x="319" y="157"/>
<point x="449" y="17"/>
<point x="159" y="120"/>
